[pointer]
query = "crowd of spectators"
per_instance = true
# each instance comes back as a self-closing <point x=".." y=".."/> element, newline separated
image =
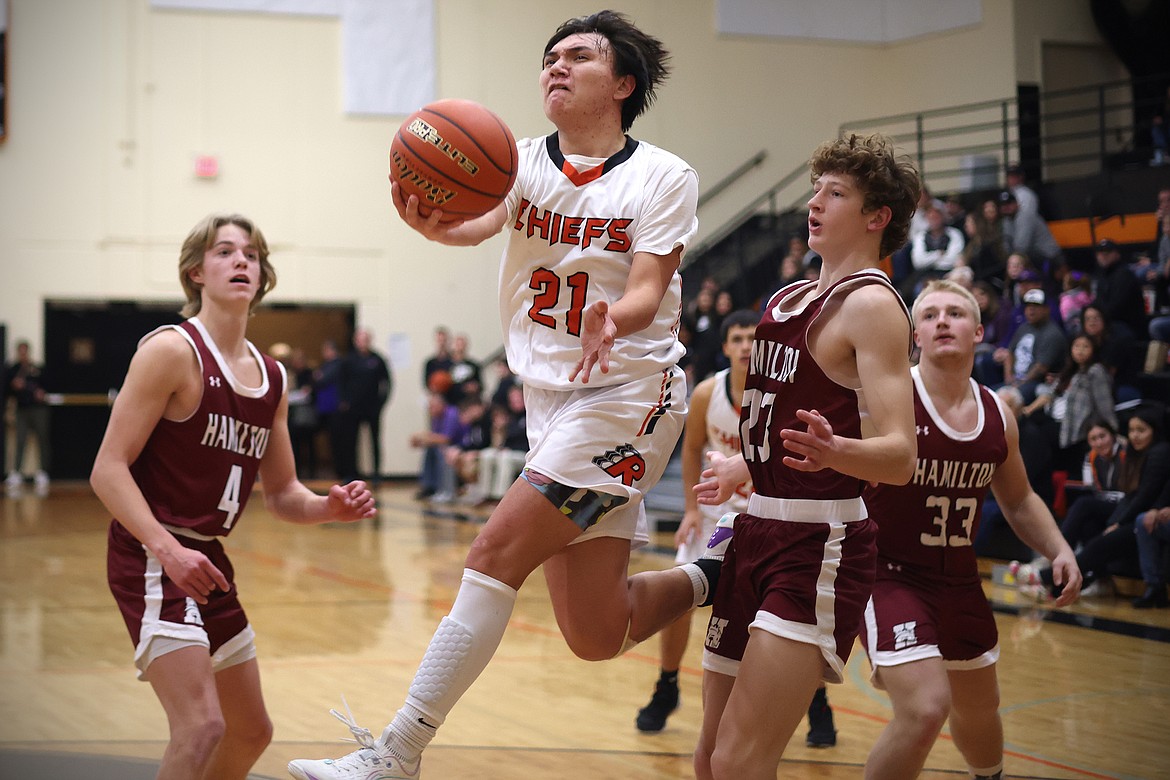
<point x="474" y="444"/>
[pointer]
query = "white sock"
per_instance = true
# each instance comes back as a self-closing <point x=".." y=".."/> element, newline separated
<point x="991" y="771"/>
<point x="460" y="650"/>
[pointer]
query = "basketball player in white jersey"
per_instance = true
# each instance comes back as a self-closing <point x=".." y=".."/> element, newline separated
<point x="590" y="298"/>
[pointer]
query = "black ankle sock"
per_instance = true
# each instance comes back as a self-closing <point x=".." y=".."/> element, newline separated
<point x="670" y="678"/>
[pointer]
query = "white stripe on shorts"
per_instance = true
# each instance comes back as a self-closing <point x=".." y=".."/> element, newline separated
<point x="808" y="510"/>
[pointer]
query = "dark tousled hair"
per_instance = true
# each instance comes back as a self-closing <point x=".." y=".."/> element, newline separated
<point x="635" y="53"/>
<point x="740" y="318"/>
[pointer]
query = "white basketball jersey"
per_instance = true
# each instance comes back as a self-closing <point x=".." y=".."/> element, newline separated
<point x="723" y="437"/>
<point x="574" y="225"/>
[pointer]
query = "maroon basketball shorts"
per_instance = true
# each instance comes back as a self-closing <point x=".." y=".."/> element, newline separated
<point x="161" y="617"/>
<point x="798" y="569"/>
<point x="914" y="615"/>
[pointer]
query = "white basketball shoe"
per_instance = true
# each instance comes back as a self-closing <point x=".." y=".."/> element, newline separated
<point x="372" y="761"/>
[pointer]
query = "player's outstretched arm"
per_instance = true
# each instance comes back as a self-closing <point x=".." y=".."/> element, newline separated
<point x="163" y="378"/>
<point x="464" y="233"/>
<point x="288" y="498"/>
<point x="1030" y="517"/>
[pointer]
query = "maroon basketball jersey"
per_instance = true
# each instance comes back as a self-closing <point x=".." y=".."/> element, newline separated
<point x="929" y="523"/>
<point x="784" y="377"/>
<point x="198" y="473"/>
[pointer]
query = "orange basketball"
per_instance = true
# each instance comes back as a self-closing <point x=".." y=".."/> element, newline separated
<point x="440" y="382"/>
<point x="455" y="155"/>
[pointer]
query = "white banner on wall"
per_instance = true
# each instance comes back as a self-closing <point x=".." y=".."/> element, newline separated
<point x="389" y="52"/>
<point x="303" y="7"/>
<point x="860" y="21"/>
<point x="388" y="46"/>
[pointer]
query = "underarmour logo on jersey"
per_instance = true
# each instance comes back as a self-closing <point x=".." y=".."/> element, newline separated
<point x="213" y="381"/>
<point x="905" y="635"/>
<point x="922" y="430"/>
<point x="715" y="632"/>
<point x="624" y="462"/>
<point x="191" y="613"/>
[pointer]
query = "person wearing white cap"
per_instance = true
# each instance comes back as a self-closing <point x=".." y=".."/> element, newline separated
<point x="1037" y="348"/>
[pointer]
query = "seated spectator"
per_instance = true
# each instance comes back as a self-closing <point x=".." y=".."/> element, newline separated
<point x="1119" y="293"/>
<point x="1077" y="294"/>
<point x="902" y="267"/>
<point x="1037" y="348"/>
<point x="499" y="464"/>
<point x="463" y="455"/>
<point x="1027" y="232"/>
<point x="983" y="249"/>
<point x="1082" y="392"/>
<point x="1036" y="450"/>
<point x="994" y="319"/>
<point x="933" y="252"/>
<point x="1152" y="530"/>
<point x="437" y="478"/>
<point x="1145" y="472"/>
<point x="1116" y="353"/>
<point x="703" y="323"/>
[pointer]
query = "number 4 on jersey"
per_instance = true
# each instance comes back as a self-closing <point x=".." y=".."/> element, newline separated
<point x="230" y="500"/>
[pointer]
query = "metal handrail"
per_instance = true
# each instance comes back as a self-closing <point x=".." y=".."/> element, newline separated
<point x="719" y="186"/>
<point x="996" y="141"/>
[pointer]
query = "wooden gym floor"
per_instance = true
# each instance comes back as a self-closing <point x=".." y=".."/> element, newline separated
<point x="349" y="610"/>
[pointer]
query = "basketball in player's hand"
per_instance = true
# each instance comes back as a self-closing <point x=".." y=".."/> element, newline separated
<point x="456" y="156"/>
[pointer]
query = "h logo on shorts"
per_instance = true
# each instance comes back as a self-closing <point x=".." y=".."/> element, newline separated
<point x="905" y="635"/>
<point x="715" y="632"/>
<point x="624" y="463"/>
<point x="191" y="614"/>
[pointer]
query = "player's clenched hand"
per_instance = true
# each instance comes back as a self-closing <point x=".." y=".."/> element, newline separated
<point x="193" y="571"/>
<point x="1066" y="572"/>
<point x="815" y="445"/>
<point x="597" y="335"/>
<point x="721" y="478"/>
<point x="350" y="502"/>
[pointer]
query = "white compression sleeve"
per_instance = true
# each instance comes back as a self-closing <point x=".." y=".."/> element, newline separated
<point x="463" y="644"/>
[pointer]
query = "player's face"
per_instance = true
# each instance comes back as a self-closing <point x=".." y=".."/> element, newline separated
<point x="577" y="79"/>
<point x="946" y="325"/>
<point x="738" y="346"/>
<point x="836" y="220"/>
<point x="231" y="267"/>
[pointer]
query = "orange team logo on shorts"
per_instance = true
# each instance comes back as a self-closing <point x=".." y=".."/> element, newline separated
<point x="624" y="463"/>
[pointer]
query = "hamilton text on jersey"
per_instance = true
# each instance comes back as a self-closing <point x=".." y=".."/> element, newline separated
<point x="775" y="361"/>
<point x="577" y="231"/>
<point x="228" y="433"/>
<point x="961" y="474"/>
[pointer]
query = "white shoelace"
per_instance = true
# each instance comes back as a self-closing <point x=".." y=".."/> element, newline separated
<point x="362" y="736"/>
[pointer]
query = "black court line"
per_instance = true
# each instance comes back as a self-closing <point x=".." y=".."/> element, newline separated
<point x="1091" y="622"/>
